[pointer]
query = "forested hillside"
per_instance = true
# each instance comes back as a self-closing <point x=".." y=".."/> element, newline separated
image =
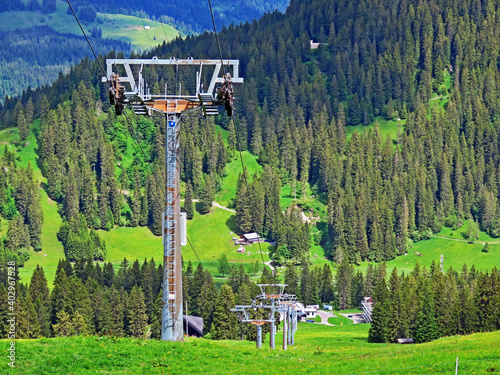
<point x="194" y="16"/>
<point x="430" y="66"/>
<point x="49" y="25"/>
<point x="442" y="168"/>
<point x="36" y="56"/>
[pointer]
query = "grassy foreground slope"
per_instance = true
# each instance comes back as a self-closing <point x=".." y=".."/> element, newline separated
<point x="318" y="350"/>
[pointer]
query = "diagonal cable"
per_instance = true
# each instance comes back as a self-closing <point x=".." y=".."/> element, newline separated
<point x="248" y="190"/>
<point x="132" y="129"/>
<point x="159" y="15"/>
<point x="85" y="35"/>
<point x="216" y="36"/>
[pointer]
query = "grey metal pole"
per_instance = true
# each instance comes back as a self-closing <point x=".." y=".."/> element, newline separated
<point x="272" y="338"/>
<point x="259" y="336"/>
<point x="289" y="338"/>
<point x="294" y="325"/>
<point x="172" y="322"/>
<point x="456" y="368"/>
<point x="285" y="323"/>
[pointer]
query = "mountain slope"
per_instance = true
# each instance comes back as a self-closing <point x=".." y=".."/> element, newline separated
<point x="382" y="195"/>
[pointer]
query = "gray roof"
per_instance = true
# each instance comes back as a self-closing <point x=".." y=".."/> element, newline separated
<point x="251" y="236"/>
<point x="195" y="322"/>
<point x="405" y="341"/>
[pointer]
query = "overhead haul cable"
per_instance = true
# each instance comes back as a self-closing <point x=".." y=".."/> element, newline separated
<point x="237" y="136"/>
<point x="133" y="132"/>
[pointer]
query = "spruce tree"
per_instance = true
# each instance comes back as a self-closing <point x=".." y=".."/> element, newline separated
<point x="64" y="327"/>
<point x="78" y="300"/>
<point x="29" y="111"/>
<point x="426" y="328"/>
<point x="108" y="274"/>
<point x="136" y="313"/>
<point x="38" y="292"/>
<point x="195" y="290"/>
<point x="306" y="285"/>
<point x="344" y="283"/>
<point x="224" y="326"/>
<point x="379" y="329"/>
<point x="156" y="318"/>
<point x="27" y="322"/>
<point x="188" y="202"/>
<point x="23" y="126"/>
<point x="79" y="324"/>
<point x="242" y="206"/>
<point x="208" y="195"/>
<point x="223" y="266"/>
<point x="207" y="302"/>
<point x="292" y="280"/>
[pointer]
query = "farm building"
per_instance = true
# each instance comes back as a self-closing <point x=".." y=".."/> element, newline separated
<point x="194" y="325"/>
<point x="310" y="312"/>
<point x="248" y="239"/>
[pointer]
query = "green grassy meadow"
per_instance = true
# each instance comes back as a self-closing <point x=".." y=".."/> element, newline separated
<point x="52" y="249"/>
<point x="113" y="26"/>
<point x="387" y="127"/>
<point x="211" y="235"/>
<point x="233" y="170"/>
<point x="318" y="349"/>
<point x="456" y="253"/>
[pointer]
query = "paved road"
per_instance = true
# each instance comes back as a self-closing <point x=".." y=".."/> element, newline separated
<point x="324" y="315"/>
<point x="215" y="204"/>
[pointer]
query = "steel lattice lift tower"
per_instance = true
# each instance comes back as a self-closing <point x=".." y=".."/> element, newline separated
<point x="139" y="99"/>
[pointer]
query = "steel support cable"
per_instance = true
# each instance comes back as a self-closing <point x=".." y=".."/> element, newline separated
<point x="133" y="133"/>
<point x="159" y="15"/>
<point x="146" y="30"/>
<point x="237" y="136"/>
<point x="248" y="190"/>
<point x="216" y="37"/>
<point x="192" y="247"/>
<point x="85" y="35"/>
<point x="131" y="127"/>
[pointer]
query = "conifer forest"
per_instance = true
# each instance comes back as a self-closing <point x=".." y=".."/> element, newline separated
<point x="431" y="67"/>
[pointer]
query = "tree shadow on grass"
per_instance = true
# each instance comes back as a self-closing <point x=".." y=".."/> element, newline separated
<point x="231" y="223"/>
